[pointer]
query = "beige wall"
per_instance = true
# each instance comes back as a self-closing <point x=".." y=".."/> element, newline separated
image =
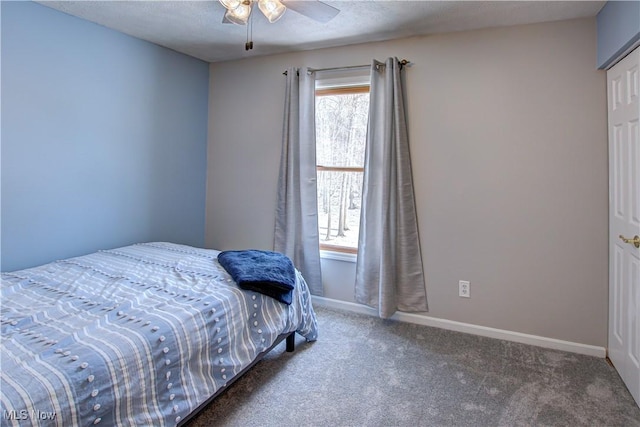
<point x="509" y="144"/>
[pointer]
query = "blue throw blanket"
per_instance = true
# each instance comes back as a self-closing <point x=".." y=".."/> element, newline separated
<point x="270" y="273"/>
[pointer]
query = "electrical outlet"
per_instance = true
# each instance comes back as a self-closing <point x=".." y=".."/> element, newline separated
<point x="464" y="289"/>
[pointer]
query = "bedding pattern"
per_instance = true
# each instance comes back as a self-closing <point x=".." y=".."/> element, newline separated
<point x="134" y="336"/>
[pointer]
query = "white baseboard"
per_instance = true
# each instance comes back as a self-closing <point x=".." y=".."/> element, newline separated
<point x="552" y="343"/>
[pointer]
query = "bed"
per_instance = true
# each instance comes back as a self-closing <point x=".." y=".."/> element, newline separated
<point x="141" y="335"/>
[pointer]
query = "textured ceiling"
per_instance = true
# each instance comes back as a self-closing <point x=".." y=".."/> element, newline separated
<point x="195" y="27"/>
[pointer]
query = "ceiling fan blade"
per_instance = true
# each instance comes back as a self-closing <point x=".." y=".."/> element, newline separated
<point x="315" y="10"/>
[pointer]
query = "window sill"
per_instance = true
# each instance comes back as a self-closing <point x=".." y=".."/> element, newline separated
<point x="338" y="256"/>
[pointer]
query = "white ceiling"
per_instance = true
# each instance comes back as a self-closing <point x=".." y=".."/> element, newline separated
<point x="195" y="27"/>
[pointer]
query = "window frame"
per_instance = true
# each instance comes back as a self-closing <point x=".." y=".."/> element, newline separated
<point x="329" y="91"/>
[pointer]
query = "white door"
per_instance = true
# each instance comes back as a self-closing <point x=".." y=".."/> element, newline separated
<point x="623" y="94"/>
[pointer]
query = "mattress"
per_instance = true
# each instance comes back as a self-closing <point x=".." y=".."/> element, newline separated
<point x="140" y="335"/>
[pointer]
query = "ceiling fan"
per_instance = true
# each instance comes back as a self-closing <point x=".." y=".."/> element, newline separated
<point x="238" y="11"/>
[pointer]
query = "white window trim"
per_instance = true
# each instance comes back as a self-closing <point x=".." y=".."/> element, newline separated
<point x="336" y="79"/>
<point x="338" y="256"/>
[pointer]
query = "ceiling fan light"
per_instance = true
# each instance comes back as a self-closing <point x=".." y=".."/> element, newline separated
<point x="230" y="4"/>
<point x="272" y="9"/>
<point x="239" y="15"/>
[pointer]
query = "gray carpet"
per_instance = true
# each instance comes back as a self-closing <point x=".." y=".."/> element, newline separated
<point x="365" y="371"/>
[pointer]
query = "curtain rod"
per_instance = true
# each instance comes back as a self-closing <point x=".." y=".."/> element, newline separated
<point x="402" y="63"/>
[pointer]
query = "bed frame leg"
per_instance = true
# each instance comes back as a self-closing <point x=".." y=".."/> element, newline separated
<point x="291" y="342"/>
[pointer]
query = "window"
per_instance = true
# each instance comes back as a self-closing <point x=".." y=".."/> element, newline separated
<point x="341" y="130"/>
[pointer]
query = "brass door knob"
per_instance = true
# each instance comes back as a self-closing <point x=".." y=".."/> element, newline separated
<point x="635" y="241"/>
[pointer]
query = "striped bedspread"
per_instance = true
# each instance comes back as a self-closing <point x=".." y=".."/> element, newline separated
<point x="135" y="336"/>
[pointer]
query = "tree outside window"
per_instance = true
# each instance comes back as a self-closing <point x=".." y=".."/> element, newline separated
<point x="341" y="130"/>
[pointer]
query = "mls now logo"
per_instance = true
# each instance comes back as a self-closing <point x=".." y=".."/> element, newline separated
<point x="23" y="414"/>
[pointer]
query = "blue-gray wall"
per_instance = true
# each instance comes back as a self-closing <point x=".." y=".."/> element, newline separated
<point x="103" y="139"/>
<point x="618" y="30"/>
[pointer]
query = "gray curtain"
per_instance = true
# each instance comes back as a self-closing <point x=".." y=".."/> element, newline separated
<point x="389" y="272"/>
<point x="296" y="226"/>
